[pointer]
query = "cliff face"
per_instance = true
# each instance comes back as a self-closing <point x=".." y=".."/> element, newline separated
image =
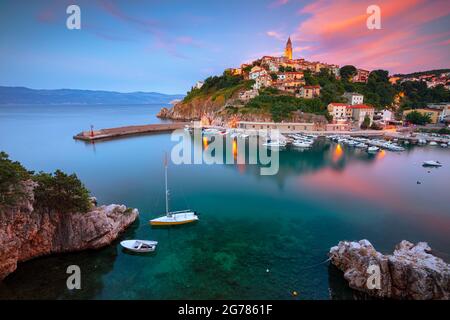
<point x="215" y="110"/>
<point x="26" y="233"/>
<point x="411" y="272"/>
<point x="194" y="109"/>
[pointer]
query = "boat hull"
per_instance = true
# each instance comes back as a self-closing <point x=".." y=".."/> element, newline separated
<point x="175" y="219"/>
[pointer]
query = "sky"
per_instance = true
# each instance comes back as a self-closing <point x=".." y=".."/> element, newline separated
<point x="167" y="45"/>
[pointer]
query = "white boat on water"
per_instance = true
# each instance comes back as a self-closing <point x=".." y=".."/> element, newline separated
<point x="139" y="245"/>
<point x="444" y="145"/>
<point x="210" y="131"/>
<point x="175" y="217"/>
<point x="301" y="144"/>
<point x="396" y="148"/>
<point x="433" y="143"/>
<point x="274" y="144"/>
<point x="361" y="145"/>
<point x="432" y="163"/>
<point x="373" y="149"/>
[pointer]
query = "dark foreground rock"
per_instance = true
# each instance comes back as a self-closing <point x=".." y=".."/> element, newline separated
<point x="411" y="272"/>
<point x="26" y="233"/>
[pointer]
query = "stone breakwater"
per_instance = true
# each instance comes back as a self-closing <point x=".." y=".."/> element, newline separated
<point x="26" y="233"/>
<point x="411" y="272"/>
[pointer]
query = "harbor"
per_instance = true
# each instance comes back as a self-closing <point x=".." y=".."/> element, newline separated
<point x="248" y="223"/>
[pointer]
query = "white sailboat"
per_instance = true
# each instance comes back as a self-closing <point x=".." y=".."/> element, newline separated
<point x="174" y="217"/>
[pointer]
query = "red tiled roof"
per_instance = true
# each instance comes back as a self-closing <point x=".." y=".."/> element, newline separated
<point x="360" y="106"/>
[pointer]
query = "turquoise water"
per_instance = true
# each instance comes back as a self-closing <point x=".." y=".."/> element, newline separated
<point x="248" y="223"/>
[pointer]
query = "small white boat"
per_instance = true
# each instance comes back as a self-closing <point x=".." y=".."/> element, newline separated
<point x="422" y="141"/>
<point x="243" y="135"/>
<point x="396" y="148"/>
<point x="301" y="144"/>
<point x="373" y="149"/>
<point x="361" y="145"/>
<point x="274" y="144"/>
<point x="139" y="245"/>
<point x="432" y="163"/>
<point x="433" y="143"/>
<point x="444" y="145"/>
<point x="210" y="131"/>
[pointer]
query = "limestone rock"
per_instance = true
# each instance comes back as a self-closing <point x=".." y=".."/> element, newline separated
<point x="26" y="233"/>
<point x="411" y="272"/>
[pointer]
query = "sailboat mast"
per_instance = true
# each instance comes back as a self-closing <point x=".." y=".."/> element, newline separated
<point x="167" y="190"/>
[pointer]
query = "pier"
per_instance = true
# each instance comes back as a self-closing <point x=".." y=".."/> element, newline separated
<point x="416" y="137"/>
<point x="118" y="132"/>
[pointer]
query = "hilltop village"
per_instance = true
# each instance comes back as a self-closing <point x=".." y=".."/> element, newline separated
<point x="318" y="95"/>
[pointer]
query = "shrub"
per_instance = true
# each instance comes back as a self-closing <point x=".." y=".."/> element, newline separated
<point x="61" y="192"/>
<point x="12" y="176"/>
<point x="417" y="118"/>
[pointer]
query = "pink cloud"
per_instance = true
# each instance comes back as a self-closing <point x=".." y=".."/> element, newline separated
<point x="275" y="34"/>
<point x="336" y="32"/>
<point x="278" y="3"/>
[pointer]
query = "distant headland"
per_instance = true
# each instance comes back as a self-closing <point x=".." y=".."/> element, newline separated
<point x="23" y="95"/>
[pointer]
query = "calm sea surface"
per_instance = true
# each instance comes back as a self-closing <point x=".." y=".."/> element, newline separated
<point x="248" y="223"/>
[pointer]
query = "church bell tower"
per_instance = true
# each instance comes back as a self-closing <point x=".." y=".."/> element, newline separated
<point x="288" y="49"/>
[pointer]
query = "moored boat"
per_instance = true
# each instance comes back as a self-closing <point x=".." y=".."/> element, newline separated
<point x="176" y="217"/>
<point x="432" y="163"/>
<point x="141" y="246"/>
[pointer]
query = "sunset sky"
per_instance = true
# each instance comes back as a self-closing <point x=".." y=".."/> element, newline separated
<point x="166" y="46"/>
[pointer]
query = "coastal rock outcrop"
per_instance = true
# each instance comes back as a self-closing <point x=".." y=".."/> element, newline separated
<point x="411" y="272"/>
<point x="26" y="233"/>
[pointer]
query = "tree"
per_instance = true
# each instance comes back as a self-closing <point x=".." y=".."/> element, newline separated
<point x="12" y="176"/>
<point x="418" y="118"/>
<point x="347" y="72"/>
<point x="378" y="91"/>
<point x="274" y="76"/>
<point x="61" y="192"/>
<point x="366" y="122"/>
<point x="310" y="80"/>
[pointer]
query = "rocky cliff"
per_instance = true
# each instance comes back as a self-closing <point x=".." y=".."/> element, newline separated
<point x="411" y="272"/>
<point x="26" y="233"/>
<point x="215" y="110"/>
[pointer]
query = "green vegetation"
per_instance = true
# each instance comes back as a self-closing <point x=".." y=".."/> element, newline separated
<point x="418" y="118"/>
<point x="12" y="175"/>
<point x="61" y="192"/>
<point x="378" y="91"/>
<point x="417" y="95"/>
<point x="421" y="73"/>
<point x="281" y="106"/>
<point x="219" y="86"/>
<point x="347" y="72"/>
<point x="57" y="192"/>
<point x="366" y="123"/>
